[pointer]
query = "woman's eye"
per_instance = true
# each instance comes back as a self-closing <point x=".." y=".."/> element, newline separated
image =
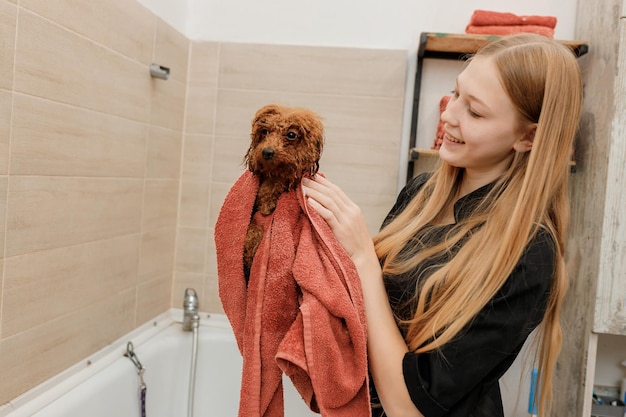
<point x="474" y="114"/>
<point x="292" y="135"/>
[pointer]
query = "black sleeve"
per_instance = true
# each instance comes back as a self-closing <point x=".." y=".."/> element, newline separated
<point x="406" y="195"/>
<point x="438" y="381"/>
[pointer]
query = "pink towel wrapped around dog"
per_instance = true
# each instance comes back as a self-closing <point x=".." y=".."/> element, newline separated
<point x="301" y="312"/>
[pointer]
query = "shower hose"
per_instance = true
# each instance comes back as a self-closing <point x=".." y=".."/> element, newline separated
<point x="130" y="354"/>
<point x="194" y="357"/>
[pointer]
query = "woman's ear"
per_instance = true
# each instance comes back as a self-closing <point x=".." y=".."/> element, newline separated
<point x="525" y="142"/>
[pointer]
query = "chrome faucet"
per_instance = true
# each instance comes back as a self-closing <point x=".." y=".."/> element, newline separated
<point x="190" y="310"/>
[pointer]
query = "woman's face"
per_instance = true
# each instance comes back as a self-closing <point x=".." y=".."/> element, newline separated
<point x="482" y="127"/>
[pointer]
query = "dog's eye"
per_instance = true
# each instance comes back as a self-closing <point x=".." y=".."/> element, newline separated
<point x="265" y="132"/>
<point x="292" y="135"/>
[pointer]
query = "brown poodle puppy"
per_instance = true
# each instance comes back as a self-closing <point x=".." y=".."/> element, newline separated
<point x="286" y="145"/>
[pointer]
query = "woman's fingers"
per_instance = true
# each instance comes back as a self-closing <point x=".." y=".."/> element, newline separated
<point x="327" y="195"/>
<point x="342" y="215"/>
<point x="319" y="207"/>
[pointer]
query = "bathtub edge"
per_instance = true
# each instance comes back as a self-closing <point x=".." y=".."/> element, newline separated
<point x="55" y="387"/>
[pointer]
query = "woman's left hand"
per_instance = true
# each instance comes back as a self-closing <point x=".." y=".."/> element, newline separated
<point x="342" y="215"/>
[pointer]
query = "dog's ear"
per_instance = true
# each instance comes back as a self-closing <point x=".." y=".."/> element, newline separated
<point x="309" y="123"/>
<point x="267" y="110"/>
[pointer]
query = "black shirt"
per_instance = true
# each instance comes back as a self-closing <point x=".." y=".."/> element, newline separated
<point x="461" y="378"/>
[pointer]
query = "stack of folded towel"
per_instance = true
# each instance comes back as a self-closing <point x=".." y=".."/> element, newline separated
<point x="440" y="129"/>
<point x="486" y="22"/>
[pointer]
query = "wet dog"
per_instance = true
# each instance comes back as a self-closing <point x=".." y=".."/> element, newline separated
<point x="286" y="145"/>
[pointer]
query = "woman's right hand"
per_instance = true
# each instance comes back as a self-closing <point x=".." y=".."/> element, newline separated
<point x="386" y="345"/>
<point x="342" y="215"/>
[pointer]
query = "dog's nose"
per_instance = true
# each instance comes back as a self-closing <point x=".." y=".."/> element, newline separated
<point x="268" y="153"/>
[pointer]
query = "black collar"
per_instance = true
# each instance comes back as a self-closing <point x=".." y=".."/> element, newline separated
<point x="465" y="205"/>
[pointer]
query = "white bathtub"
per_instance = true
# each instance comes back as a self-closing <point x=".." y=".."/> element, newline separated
<point x="107" y="385"/>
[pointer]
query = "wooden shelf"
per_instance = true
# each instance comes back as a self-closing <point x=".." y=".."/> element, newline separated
<point x="459" y="47"/>
<point x="416" y="153"/>
<point x="453" y="45"/>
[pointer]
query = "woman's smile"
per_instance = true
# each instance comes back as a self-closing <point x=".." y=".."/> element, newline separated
<point x="453" y="139"/>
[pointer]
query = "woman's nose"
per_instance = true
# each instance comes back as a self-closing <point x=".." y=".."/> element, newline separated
<point x="447" y="116"/>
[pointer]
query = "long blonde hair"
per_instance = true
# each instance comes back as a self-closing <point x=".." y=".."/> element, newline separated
<point x="543" y="80"/>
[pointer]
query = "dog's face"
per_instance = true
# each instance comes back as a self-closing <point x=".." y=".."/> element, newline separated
<point x="286" y="143"/>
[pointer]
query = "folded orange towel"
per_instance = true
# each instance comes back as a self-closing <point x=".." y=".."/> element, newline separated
<point x="440" y="131"/>
<point x="509" y="30"/>
<point x="491" y="18"/>
<point x="301" y="313"/>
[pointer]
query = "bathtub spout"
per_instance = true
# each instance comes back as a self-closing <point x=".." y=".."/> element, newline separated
<point x="190" y="310"/>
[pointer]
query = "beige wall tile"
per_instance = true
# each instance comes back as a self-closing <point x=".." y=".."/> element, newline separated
<point x="122" y="25"/>
<point x="217" y="196"/>
<point x="184" y="280"/>
<point x="172" y="51"/>
<point x="51" y="347"/>
<point x="4" y="183"/>
<point x="61" y="281"/>
<point x="236" y="109"/>
<point x="364" y="168"/>
<point x="213" y="303"/>
<point x="200" y="113"/>
<point x="190" y="250"/>
<point x="167" y="107"/>
<point x="160" y="205"/>
<point x="50" y="138"/>
<point x="57" y="64"/>
<point x="318" y="70"/>
<point x="194" y="205"/>
<point x="1" y="300"/>
<point x="8" y="19"/>
<point x="157" y="253"/>
<point x="347" y="119"/>
<point x="50" y="212"/>
<point x="358" y="121"/>
<point x="164" y="149"/>
<point x="228" y="158"/>
<point x="197" y="157"/>
<point x="204" y="63"/>
<point x="6" y="101"/>
<point x="211" y="257"/>
<point x="153" y="298"/>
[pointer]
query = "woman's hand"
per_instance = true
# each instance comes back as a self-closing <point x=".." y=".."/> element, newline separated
<point x="386" y="346"/>
<point x="342" y="215"/>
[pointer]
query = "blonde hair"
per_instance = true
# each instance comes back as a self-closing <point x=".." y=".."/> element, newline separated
<point x="543" y="80"/>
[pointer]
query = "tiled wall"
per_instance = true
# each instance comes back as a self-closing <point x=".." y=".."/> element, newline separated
<point x="358" y="92"/>
<point x="110" y="181"/>
<point x="90" y="151"/>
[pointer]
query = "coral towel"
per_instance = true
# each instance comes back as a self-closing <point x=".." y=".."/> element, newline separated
<point x="301" y="313"/>
<point x="509" y="30"/>
<point x="440" y="133"/>
<point x="491" y="18"/>
<point x="489" y="22"/>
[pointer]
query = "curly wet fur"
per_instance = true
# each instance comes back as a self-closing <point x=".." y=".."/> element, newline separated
<point x="286" y="145"/>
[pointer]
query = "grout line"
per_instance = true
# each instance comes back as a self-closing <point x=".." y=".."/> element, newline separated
<point x="84" y="37"/>
<point x="6" y="195"/>
<point x="183" y="141"/>
<point x="145" y="175"/>
<point x="212" y="137"/>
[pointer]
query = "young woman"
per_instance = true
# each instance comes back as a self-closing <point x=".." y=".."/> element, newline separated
<point x="470" y="259"/>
